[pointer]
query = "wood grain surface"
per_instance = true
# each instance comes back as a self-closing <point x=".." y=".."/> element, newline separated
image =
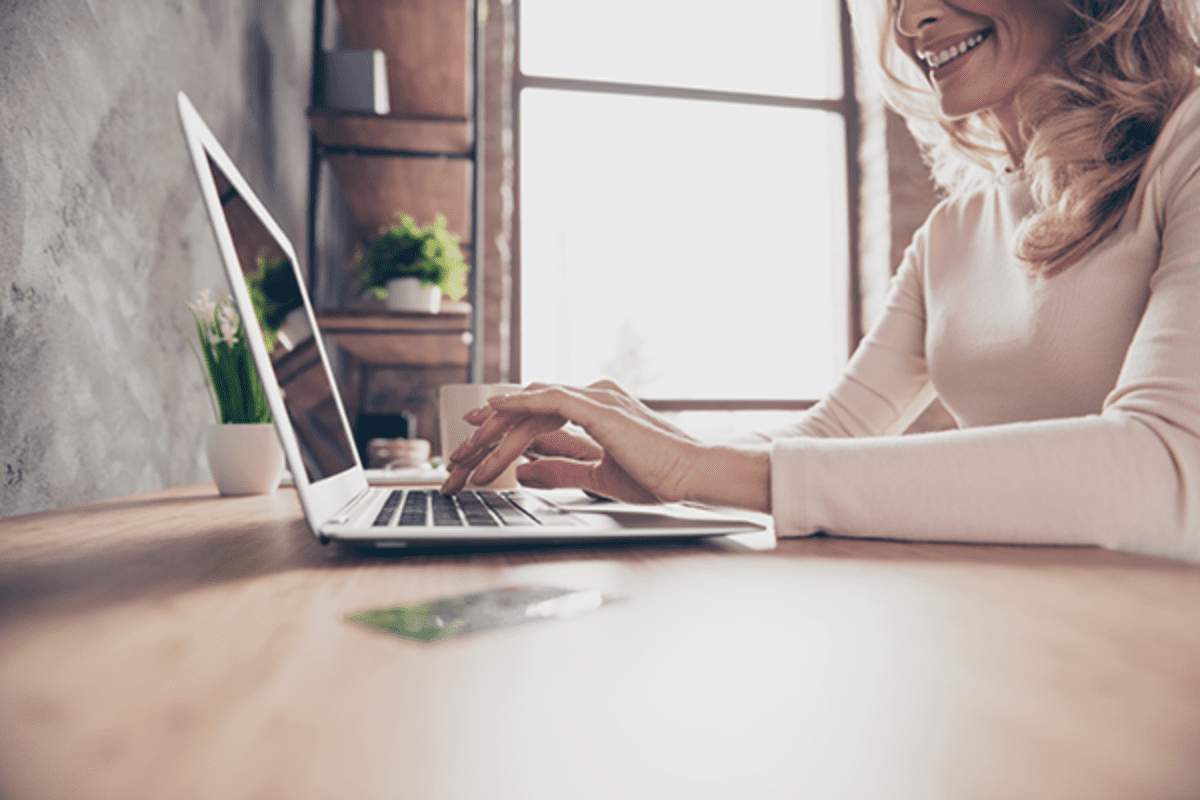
<point x="184" y="645"/>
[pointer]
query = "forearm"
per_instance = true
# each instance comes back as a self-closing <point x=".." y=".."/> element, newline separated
<point x="728" y="475"/>
<point x="1113" y="481"/>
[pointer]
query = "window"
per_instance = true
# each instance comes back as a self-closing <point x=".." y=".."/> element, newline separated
<point x="683" y="198"/>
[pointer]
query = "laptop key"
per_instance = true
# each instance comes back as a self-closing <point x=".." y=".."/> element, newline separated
<point x="503" y="509"/>
<point x="389" y="508"/>
<point x="414" y="512"/>
<point x="445" y="510"/>
<point x="474" y="510"/>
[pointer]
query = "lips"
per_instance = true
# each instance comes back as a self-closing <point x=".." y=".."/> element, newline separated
<point x="943" y="52"/>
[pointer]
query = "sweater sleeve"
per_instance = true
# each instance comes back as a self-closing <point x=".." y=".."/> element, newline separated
<point x="1127" y="477"/>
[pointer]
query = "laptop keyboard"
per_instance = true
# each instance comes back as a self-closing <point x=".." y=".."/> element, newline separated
<point x="472" y="508"/>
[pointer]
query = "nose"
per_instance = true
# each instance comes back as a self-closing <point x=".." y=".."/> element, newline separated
<point x="912" y="15"/>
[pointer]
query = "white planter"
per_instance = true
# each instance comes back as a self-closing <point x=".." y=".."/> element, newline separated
<point x="407" y="294"/>
<point x="244" y="459"/>
<point x="295" y="328"/>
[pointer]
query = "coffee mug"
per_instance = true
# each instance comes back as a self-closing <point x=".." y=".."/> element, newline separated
<point x="454" y="401"/>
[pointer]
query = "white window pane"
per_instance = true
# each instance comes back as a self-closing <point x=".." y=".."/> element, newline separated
<point x="788" y="47"/>
<point x="685" y="249"/>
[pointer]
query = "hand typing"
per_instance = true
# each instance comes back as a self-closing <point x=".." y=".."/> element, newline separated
<point x="629" y="453"/>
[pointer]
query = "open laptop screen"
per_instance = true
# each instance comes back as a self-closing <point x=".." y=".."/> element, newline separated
<point x="273" y="283"/>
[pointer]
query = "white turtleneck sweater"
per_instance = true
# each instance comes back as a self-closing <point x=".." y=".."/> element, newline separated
<point x="1077" y="396"/>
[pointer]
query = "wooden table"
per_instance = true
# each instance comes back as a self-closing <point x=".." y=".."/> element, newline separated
<point x="183" y="645"/>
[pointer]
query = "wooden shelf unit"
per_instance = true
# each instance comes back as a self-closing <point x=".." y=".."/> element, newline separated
<point x="421" y="160"/>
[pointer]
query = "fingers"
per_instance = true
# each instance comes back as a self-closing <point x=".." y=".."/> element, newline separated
<point x="582" y="406"/>
<point x="530" y="420"/>
<point x="552" y="473"/>
<point x="606" y="480"/>
<point x="610" y="386"/>
<point x="500" y="439"/>
<point x="459" y="473"/>
<point x="478" y="416"/>
<point x="467" y="455"/>
<point x="490" y="423"/>
<point x="485" y="436"/>
<point x="617" y="395"/>
<point x="562" y="444"/>
<point x="514" y="444"/>
<point x="642" y="411"/>
<point x="603" y="413"/>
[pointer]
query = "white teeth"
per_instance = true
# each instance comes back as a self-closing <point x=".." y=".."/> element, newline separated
<point x="952" y="52"/>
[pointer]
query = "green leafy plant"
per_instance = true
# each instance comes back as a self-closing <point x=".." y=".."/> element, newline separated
<point x="430" y="254"/>
<point x="225" y="360"/>
<point x="274" y="293"/>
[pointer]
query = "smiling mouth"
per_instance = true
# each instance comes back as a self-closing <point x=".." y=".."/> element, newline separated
<point x="944" y="57"/>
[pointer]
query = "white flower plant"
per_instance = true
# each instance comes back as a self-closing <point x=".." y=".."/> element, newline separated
<point x="224" y="357"/>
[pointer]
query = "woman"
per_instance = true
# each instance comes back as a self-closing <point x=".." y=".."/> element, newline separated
<point x="1052" y="302"/>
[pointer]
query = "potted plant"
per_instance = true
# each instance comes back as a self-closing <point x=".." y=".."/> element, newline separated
<point x="411" y="267"/>
<point x="278" y="303"/>
<point x="243" y="449"/>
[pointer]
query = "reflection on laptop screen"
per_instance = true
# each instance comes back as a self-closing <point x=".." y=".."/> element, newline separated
<point x="303" y="379"/>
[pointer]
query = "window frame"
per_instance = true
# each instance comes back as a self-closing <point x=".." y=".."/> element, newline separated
<point x="847" y="106"/>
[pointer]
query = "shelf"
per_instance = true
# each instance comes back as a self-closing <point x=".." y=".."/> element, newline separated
<point x="400" y="339"/>
<point x="418" y="160"/>
<point x="393" y="132"/>
<point x="429" y="49"/>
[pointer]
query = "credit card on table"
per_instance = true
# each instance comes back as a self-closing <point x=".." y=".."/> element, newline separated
<point x="483" y="611"/>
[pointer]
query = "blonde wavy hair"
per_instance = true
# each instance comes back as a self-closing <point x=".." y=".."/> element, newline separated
<point x="1088" y="122"/>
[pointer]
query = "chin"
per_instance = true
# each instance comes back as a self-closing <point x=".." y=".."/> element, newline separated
<point x="959" y="107"/>
<point x="955" y="113"/>
<point x="958" y="110"/>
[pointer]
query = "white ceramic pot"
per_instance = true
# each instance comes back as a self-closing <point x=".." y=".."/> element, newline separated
<point x="244" y="459"/>
<point x="407" y="294"/>
<point x="295" y="328"/>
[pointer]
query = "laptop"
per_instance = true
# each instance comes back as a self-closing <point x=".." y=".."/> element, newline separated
<point x="338" y="502"/>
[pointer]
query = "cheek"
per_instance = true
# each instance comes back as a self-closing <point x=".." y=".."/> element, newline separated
<point x="1048" y="41"/>
<point x="1039" y="31"/>
<point x="905" y="46"/>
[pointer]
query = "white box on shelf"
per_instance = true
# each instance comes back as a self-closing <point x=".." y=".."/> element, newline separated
<point x="356" y="80"/>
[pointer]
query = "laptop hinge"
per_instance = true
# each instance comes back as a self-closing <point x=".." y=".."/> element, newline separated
<point x="351" y="509"/>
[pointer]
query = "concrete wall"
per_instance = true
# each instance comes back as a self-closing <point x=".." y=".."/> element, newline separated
<point x="102" y="234"/>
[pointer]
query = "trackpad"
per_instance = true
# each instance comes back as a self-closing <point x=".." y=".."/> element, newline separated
<point x="679" y="517"/>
